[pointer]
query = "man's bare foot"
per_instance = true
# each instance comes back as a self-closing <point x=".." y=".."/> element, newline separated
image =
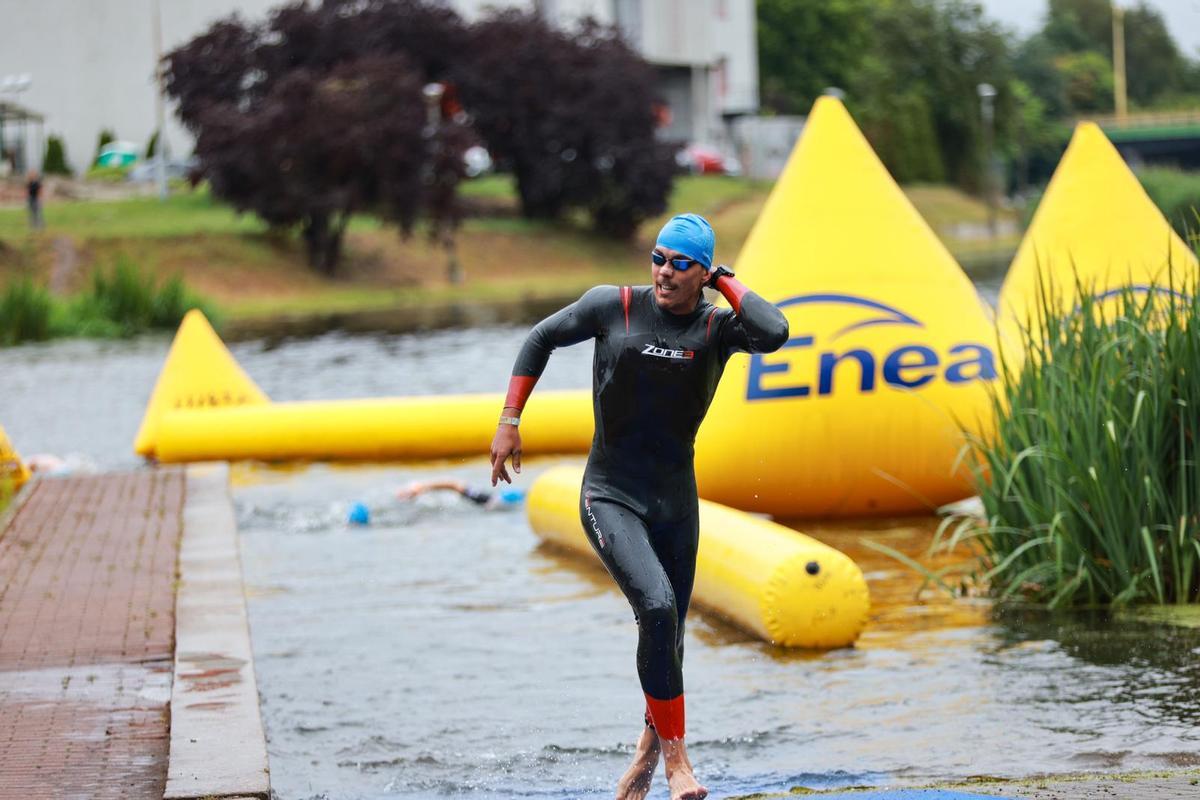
<point x="680" y="777"/>
<point x="635" y="783"/>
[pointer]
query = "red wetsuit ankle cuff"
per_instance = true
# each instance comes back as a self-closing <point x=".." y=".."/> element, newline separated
<point x="667" y="716"/>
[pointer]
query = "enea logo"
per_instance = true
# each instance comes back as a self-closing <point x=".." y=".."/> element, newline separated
<point x="909" y="366"/>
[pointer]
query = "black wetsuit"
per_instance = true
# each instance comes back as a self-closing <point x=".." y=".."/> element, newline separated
<point x="654" y="375"/>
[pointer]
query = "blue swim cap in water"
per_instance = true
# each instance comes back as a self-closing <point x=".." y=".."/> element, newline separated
<point x="511" y="496"/>
<point x="691" y="235"/>
<point x="359" y="514"/>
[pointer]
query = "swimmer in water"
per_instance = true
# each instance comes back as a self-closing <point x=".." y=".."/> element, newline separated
<point x="488" y="498"/>
<point x="660" y="351"/>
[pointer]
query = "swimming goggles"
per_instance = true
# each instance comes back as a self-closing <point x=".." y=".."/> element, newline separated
<point x="678" y="264"/>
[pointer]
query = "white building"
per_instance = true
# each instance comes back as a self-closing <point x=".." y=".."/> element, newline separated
<point x="92" y="61"/>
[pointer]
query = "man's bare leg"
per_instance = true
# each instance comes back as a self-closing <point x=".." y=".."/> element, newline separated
<point x="635" y="783"/>
<point x="682" y="780"/>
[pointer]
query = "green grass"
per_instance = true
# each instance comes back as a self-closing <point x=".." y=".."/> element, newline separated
<point x="183" y="214"/>
<point x="252" y="271"/>
<point x="1090" y="481"/>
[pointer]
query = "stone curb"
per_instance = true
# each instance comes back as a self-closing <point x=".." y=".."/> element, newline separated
<point x="218" y="749"/>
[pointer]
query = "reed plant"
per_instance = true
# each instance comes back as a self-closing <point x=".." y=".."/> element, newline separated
<point x="1090" y="481"/>
<point x="26" y="309"/>
<point x="120" y="301"/>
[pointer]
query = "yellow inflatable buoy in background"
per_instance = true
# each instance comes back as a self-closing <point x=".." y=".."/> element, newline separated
<point x="784" y="587"/>
<point x="380" y="429"/>
<point x="13" y="472"/>
<point x="1095" y="223"/>
<point x="891" y="349"/>
<point x="199" y="372"/>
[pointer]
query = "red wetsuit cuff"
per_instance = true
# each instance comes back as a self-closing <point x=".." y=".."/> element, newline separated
<point x="667" y="716"/>
<point x="732" y="290"/>
<point x="519" y="388"/>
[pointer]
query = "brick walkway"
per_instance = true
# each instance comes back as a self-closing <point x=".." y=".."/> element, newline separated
<point x="87" y="607"/>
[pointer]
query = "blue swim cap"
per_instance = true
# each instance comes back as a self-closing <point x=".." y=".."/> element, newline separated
<point x="512" y="495"/>
<point x="691" y="235"/>
<point x="359" y="515"/>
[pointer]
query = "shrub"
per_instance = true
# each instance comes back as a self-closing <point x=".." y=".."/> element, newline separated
<point x="25" y="311"/>
<point x="1093" y="490"/>
<point x="106" y="135"/>
<point x="1177" y="194"/>
<point x="55" y="162"/>
<point x="112" y="174"/>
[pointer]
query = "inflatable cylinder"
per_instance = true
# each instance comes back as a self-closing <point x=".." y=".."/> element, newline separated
<point x="784" y="587"/>
<point x="382" y="429"/>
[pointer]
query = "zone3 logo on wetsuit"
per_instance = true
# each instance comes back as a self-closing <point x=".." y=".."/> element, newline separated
<point x="651" y="350"/>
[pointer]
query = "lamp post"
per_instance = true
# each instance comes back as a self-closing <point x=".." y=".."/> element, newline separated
<point x="987" y="96"/>
<point x="160" y="151"/>
<point x="433" y="94"/>
<point x="1120" y="103"/>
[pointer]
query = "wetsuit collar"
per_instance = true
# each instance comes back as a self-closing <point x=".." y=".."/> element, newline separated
<point x="671" y="316"/>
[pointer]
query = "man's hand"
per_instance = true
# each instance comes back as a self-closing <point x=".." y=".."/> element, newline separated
<point x="507" y="442"/>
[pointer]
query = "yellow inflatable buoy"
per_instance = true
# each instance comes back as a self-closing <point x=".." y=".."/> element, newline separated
<point x="1095" y="223"/>
<point x="199" y="372"/>
<point x="891" y="350"/>
<point x="784" y="587"/>
<point x="380" y="429"/>
<point x="13" y="472"/>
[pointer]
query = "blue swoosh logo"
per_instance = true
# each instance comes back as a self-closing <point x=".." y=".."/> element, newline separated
<point x="891" y="314"/>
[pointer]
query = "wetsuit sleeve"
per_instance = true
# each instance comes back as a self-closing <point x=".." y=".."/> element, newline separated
<point x="578" y="322"/>
<point x="755" y="326"/>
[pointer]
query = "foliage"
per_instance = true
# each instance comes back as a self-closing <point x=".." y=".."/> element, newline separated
<point x="55" y="161"/>
<point x="572" y="114"/>
<point x="106" y="135"/>
<point x="109" y="174"/>
<point x="1091" y="488"/>
<point x="124" y="301"/>
<point x="917" y="88"/>
<point x="807" y="46"/>
<point x="121" y="301"/>
<point x="1177" y="194"/>
<point x="152" y="145"/>
<point x="25" y="309"/>
<point x="260" y="100"/>
<point x="1087" y="81"/>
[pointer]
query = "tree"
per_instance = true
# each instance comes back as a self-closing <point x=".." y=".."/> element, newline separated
<point x="318" y="114"/>
<point x="916" y="94"/>
<point x="55" y="162"/>
<point x="107" y="135"/>
<point x="806" y="46"/>
<point x="572" y="114"/>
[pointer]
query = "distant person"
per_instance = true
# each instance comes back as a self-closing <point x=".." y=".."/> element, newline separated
<point x="488" y="498"/>
<point x="33" y="188"/>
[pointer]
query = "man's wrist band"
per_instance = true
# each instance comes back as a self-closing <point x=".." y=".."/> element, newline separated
<point x="514" y="421"/>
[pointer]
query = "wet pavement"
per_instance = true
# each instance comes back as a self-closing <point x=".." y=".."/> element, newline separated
<point x="87" y="598"/>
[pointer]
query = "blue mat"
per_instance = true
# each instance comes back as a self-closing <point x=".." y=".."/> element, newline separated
<point x="910" y="794"/>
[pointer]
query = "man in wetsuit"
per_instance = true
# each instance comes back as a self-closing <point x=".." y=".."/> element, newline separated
<point x="660" y="351"/>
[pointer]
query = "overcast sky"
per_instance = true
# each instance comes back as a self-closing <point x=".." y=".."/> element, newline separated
<point x="1182" y="16"/>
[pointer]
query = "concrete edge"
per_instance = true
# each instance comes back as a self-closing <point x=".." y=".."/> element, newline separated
<point x="218" y="748"/>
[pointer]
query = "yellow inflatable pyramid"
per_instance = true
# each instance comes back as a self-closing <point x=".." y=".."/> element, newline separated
<point x="199" y="372"/>
<point x="13" y="472"/>
<point x="1095" y="222"/>
<point x="890" y="350"/>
